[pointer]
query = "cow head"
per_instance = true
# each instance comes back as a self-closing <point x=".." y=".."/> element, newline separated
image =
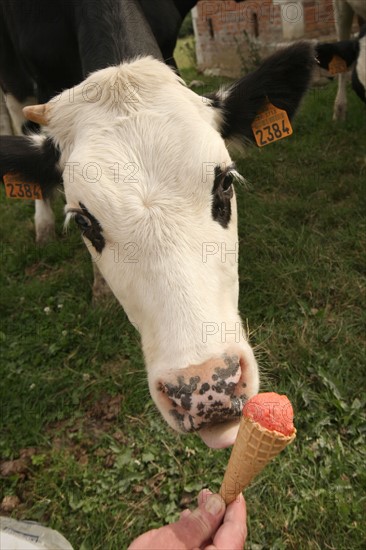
<point x="149" y="181"/>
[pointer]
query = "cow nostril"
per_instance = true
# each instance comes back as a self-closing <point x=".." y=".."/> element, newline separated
<point x="182" y="391"/>
<point x="177" y="396"/>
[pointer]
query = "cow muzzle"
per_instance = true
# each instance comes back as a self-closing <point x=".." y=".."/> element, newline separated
<point x="209" y="398"/>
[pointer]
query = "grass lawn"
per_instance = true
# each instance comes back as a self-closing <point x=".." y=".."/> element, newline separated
<point x="82" y="446"/>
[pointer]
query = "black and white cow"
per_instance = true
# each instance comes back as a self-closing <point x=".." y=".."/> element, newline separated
<point x="37" y="36"/>
<point x="344" y="11"/>
<point x="353" y="52"/>
<point x="176" y="210"/>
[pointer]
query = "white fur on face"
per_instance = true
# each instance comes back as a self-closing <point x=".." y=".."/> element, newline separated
<point x="141" y="158"/>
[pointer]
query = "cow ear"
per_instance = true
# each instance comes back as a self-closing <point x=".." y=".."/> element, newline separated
<point x="33" y="158"/>
<point x="347" y="50"/>
<point x="282" y="79"/>
<point x="37" y="113"/>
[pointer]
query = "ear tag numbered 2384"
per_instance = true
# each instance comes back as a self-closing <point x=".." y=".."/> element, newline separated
<point x="271" y="124"/>
<point x="15" y="188"/>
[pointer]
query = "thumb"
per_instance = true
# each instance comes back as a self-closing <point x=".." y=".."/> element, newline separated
<point x="200" y="525"/>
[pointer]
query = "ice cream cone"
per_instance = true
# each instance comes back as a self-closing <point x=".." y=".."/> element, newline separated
<point x="254" y="447"/>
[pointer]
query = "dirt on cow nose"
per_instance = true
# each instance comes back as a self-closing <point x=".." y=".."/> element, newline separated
<point x="205" y="394"/>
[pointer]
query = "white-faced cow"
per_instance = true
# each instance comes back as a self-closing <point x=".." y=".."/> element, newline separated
<point x="353" y="53"/>
<point x="46" y="47"/>
<point x="344" y="11"/>
<point x="175" y="210"/>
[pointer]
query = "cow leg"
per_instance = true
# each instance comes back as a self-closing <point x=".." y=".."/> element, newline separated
<point x="101" y="290"/>
<point x="15" y="110"/>
<point x="44" y="221"/>
<point x="5" y="122"/>
<point x="343" y="21"/>
<point x="340" y="104"/>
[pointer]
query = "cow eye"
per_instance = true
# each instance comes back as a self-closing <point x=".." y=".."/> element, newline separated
<point x="82" y="221"/>
<point x="222" y="192"/>
<point x="227" y="182"/>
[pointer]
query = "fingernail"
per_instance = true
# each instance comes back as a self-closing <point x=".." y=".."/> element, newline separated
<point x="214" y="505"/>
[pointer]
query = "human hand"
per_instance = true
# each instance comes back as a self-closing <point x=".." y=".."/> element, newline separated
<point x="211" y="526"/>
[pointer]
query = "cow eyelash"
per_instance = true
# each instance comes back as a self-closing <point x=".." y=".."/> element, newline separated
<point x="229" y="177"/>
<point x="236" y="176"/>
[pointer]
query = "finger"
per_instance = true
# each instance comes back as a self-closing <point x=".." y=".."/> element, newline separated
<point x="204" y="521"/>
<point x="203" y="496"/>
<point x="236" y="510"/>
<point x="199" y="526"/>
<point x="202" y="499"/>
<point x="233" y="531"/>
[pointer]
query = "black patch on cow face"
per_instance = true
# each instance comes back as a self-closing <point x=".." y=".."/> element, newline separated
<point x="90" y="227"/>
<point x="222" y="193"/>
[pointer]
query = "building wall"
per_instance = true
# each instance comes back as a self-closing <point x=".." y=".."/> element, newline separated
<point x="230" y="36"/>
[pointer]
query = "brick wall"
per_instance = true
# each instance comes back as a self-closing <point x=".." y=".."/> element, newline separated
<point x="230" y="36"/>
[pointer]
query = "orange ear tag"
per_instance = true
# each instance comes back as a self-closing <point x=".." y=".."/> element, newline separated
<point x="15" y="188"/>
<point x="271" y="124"/>
<point x="337" y="65"/>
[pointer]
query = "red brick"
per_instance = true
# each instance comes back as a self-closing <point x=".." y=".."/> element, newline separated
<point x="230" y="20"/>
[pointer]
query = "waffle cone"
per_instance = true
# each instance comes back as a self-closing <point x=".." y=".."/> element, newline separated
<point x="254" y="447"/>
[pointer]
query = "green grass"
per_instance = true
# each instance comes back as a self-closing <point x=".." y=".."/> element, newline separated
<point x="102" y="466"/>
<point x="185" y="53"/>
